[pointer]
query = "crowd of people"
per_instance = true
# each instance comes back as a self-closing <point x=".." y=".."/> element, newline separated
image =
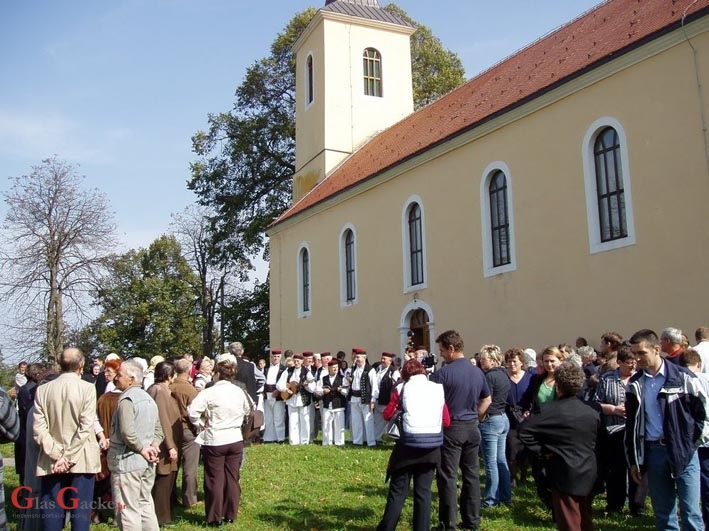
<point x="106" y="442"/>
<point x="630" y="420"/>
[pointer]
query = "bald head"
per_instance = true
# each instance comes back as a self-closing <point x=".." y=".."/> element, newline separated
<point x="183" y="366"/>
<point x="71" y="360"/>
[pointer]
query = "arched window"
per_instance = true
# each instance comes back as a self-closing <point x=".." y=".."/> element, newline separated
<point x="415" y="245"/>
<point x="310" y="81"/>
<point x="304" y="283"/>
<point x="497" y="220"/>
<point x="348" y="266"/>
<point x="609" y="186"/>
<point x="372" y="67"/>
<point x="609" y="205"/>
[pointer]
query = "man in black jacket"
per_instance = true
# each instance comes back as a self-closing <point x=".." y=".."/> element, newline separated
<point x="565" y="433"/>
<point x="245" y="370"/>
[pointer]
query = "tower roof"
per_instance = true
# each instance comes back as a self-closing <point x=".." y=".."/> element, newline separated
<point x="368" y="9"/>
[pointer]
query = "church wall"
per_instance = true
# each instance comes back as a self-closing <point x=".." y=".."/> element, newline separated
<point x="559" y="289"/>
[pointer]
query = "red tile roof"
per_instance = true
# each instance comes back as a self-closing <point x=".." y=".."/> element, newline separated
<point x="598" y="35"/>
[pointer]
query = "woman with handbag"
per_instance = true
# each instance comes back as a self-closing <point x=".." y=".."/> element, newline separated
<point x="417" y="452"/>
<point x="221" y="409"/>
<point x="520" y="377"/>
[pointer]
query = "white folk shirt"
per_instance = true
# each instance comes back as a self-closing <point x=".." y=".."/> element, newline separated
<point x="296" y="400"/>
<point x="272" y="374"/>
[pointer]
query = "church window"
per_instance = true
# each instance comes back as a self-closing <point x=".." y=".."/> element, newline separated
<point x="372" y="62"/>
<point x="497" y="220"/>
<point x="609" y="206"/>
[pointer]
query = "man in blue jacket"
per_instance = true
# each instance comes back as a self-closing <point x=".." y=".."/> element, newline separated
<point x="666" y="421"/>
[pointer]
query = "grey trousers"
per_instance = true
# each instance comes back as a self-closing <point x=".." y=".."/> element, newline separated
<point x="134" y="504"/>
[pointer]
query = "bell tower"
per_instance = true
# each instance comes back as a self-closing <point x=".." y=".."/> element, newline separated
<point x="353" y="79"/>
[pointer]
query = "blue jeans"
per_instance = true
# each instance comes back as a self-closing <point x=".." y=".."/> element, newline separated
<point x="703" y="453"/>
<point x="493" y="433"/>
<point x="664" y="491"/>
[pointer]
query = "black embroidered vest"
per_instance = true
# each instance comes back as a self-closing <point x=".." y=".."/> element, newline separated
<point x="386" y="386"/>
<point x="303" y="380"/>
<point x="333" y="397"/>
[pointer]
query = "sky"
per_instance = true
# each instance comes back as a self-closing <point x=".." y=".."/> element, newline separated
<point x="119" y="87"/>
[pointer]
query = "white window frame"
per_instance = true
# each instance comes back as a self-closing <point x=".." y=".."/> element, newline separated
<point x="489" y="270"/>
<point x="406" y="246"/>
<point x="309" y="83"/>
<point x="589" y="171"/>
<point x="299" y="268"/>
<point x="343" y="267"/>
<point x="374" y="80"/>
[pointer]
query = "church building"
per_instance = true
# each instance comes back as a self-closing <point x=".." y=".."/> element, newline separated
<point x="560" y="193"/>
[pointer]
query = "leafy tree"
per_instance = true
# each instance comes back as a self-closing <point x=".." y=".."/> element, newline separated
<point x="434" y="69"/>
<point x="215" y="277"/>
<point x="246" y="158"/>
<point x="55" y="237"/>
<point x="148" y="304"/>
<point x="246" y="319"/>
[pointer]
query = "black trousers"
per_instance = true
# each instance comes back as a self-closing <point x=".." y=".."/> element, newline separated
<point x="615" y="471"/>
<point x="461" y="449"/>
<point x="399" y="490"/>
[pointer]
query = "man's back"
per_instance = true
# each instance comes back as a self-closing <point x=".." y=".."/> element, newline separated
<point x="63" y="424"/>
<point x="464" y="385"/>
<point x="245" y="374"/>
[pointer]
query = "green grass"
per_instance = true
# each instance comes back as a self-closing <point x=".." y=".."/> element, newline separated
<point x="315" y="488"/>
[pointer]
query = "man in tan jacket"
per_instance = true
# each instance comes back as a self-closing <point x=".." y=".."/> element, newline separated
<point x="69" y="455"/>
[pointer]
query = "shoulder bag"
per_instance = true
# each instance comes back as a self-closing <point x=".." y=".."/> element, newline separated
<point x="395" y="425"/>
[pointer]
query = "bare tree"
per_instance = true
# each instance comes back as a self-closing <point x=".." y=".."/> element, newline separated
<point x="54" y="239"/>
<point x="217" y="275"/>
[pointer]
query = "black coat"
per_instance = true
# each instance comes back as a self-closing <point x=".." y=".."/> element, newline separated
<point x="245" y="374"/>
<point x="564" y="433"/>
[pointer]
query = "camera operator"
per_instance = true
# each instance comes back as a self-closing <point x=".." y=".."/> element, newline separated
<point x="427" y="359"/>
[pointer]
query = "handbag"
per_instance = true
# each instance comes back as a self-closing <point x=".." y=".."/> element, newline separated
<point x="516" y="414"/>
<point x="395" y="426"/>
<point x="251" y="426"/>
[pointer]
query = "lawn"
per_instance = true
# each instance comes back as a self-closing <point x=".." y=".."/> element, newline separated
<point x="316" y="488"/>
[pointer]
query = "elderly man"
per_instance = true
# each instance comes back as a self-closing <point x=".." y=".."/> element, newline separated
<point x="387" y="378"/>
<point x="274" y="408"/>
<point x="364" y="393"/>
<point x="69" y="455"/>
<point x="299" y="384"/>
<point x="671" y="344"/>
<point x="184" y="392"/>
<point x="136" y="435"/>
<point x="246" y="372"/>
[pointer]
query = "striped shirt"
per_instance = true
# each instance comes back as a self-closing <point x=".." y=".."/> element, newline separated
<point x="611" y="390"/>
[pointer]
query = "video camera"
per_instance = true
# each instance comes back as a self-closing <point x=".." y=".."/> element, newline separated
<point x="429" y="360"/>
